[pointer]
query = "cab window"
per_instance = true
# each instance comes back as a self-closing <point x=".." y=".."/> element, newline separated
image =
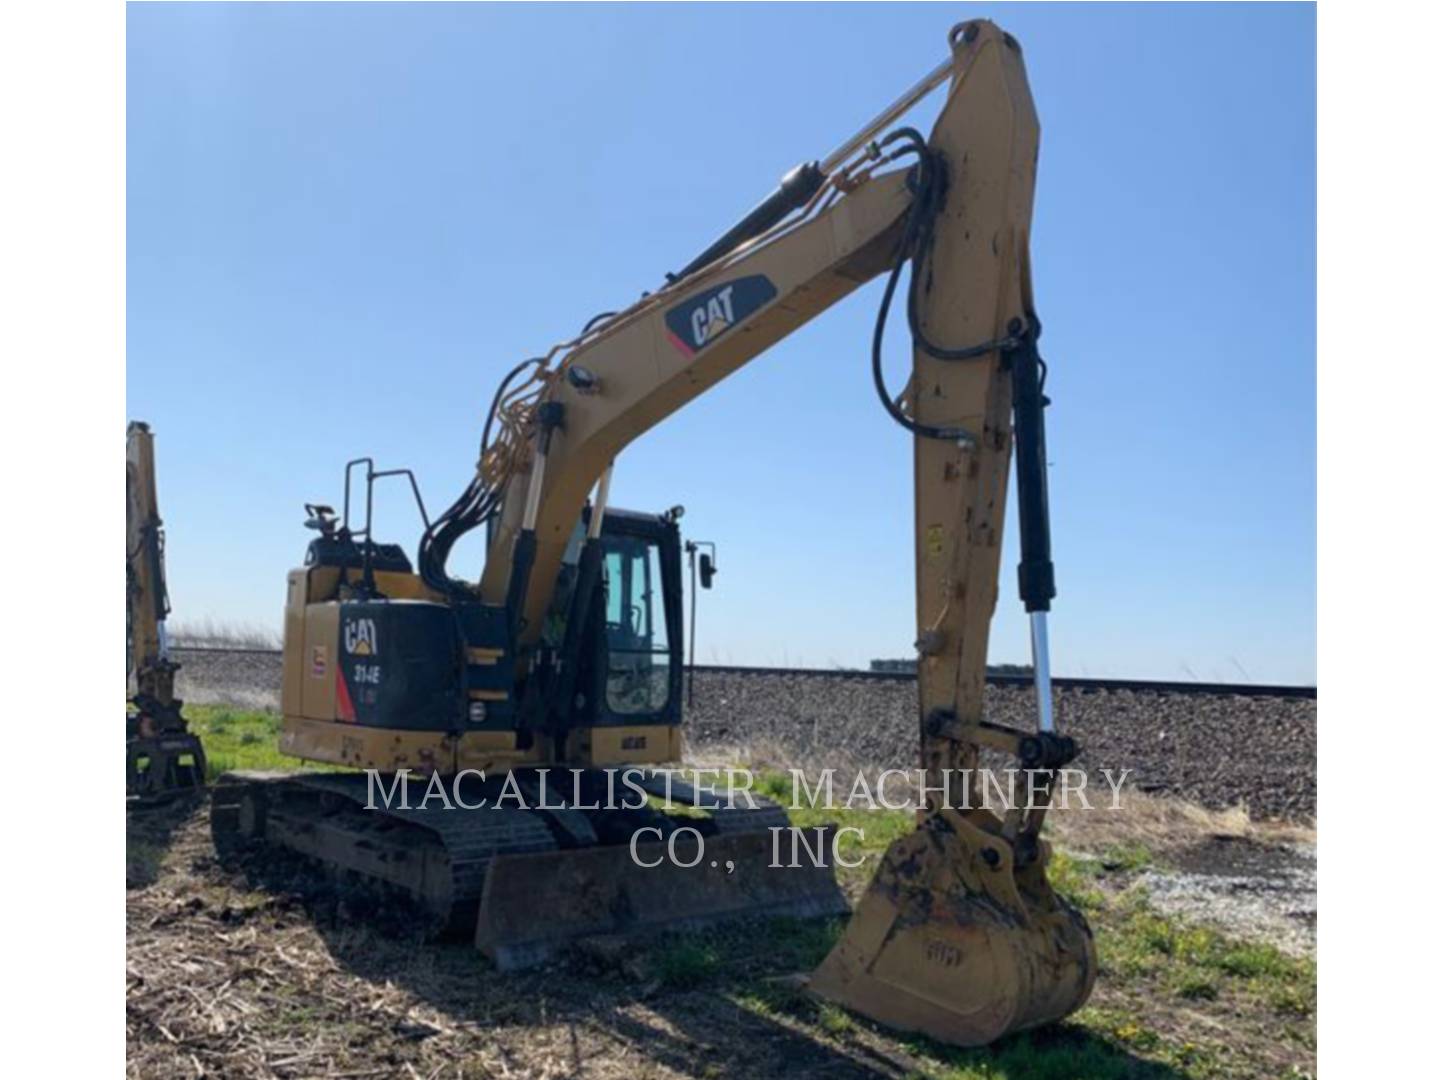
<point x="638" y="678"/>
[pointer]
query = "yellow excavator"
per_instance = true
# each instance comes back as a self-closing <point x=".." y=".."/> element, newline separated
<point x="162" y="757"/>
<point x="564" y="657"/>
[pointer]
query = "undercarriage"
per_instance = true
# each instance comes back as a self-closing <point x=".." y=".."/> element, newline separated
<point x="526" y="877"/>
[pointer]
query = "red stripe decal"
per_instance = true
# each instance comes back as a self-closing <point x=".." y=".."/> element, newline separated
<point x="675" y="340"/>
<point x="342" y="696"/>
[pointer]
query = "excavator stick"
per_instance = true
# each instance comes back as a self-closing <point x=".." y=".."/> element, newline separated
<point x="959" y="935"/>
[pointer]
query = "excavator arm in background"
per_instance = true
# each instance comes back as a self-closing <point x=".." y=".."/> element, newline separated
<point x="960" y="935"/>
<point x="162" y="757"/>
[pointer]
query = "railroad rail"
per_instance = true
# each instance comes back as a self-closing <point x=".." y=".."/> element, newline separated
<point x="1084" y="685"/>
<point x="1140" y="686"/>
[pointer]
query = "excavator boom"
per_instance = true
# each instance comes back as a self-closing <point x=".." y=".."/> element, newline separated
<point x="960" y="936"/>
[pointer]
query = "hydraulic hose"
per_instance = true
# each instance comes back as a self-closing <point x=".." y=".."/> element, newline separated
<point x="927" y="187"/>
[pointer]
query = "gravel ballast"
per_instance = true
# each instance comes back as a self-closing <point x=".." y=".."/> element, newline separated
<point x="1215" y="749"/>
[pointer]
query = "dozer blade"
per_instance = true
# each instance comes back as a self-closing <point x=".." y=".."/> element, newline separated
<point x="952" y="941"/>
<point x="533" y="905"/>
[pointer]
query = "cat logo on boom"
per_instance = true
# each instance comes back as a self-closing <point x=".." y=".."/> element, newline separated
<point x="705" y="316"/>
<point x="360" y="637"/>
<point x="712" y="317"/>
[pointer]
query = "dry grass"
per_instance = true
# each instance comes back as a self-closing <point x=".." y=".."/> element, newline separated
<point x="1130" y="818"/>
<point x="1165" y="824"/>
<point x="211" y="633"/>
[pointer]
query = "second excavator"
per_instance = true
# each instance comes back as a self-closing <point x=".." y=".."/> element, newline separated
<point x="566" y="654"/>
<point x="163" y="758"/>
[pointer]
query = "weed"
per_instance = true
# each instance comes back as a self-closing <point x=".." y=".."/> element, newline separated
<point x="1294" y="1000"/>
<point x="1126" y="858"/>
<point x="1069" y="876"/>
<point x="834" y="1021"/>
<point x="1252" y="960"/>
<point x="682" y="963"/>
<point x="1196" y="986"/>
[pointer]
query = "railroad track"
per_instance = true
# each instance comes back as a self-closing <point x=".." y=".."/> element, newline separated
<point x="1139" y="686"/>
<point x="1143" y="686"/>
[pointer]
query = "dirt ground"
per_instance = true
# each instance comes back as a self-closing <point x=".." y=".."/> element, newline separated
<point x="232" y="973"/>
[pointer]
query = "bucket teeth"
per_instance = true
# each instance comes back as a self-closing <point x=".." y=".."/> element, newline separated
<point x="957" y="944"/>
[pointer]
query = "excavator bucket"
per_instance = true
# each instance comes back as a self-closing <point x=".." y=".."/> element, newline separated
<point x="606" y="892"/>
<point x="952" y="941"/>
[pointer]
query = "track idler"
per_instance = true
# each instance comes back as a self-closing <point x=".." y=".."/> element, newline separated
<point x="954" y="941"/>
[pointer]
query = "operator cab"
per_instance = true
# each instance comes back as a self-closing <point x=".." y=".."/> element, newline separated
<point x="630" y="656"/>
<point x="369" y="643"/>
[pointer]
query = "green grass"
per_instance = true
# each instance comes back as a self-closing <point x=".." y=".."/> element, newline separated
<point x="674" y="807"/>
<point x="1070" y="1052"/>
<point x="238" y="739"/>
<point x="1128" y="858"/>
<point x="1196" y="962"/>
<point x="878" y="828"/>
<point x="684" y="962"/>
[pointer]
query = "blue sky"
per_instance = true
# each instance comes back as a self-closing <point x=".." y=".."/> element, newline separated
<point x="344" y="223"/>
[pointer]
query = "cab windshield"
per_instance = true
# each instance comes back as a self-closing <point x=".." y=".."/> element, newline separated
<point x="638" y="678"/>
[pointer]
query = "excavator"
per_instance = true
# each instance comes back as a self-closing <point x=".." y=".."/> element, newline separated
<point x="163" y="758"/>
<point x="564" y="657"/>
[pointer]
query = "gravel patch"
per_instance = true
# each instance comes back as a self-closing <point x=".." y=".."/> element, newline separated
<point x="1246" y="889"/>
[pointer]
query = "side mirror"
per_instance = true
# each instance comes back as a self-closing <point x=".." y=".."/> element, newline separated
<point x="707" y="570"/>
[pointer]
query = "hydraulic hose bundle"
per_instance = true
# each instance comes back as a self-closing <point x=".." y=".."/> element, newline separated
<point x="916" y="245"/>
<point x="486" y="491"/>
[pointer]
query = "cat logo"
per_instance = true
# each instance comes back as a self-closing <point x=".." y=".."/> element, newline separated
<point x="360" y="637"/>
<point x="712" y="317"/>
<point x="705" y="316"/>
